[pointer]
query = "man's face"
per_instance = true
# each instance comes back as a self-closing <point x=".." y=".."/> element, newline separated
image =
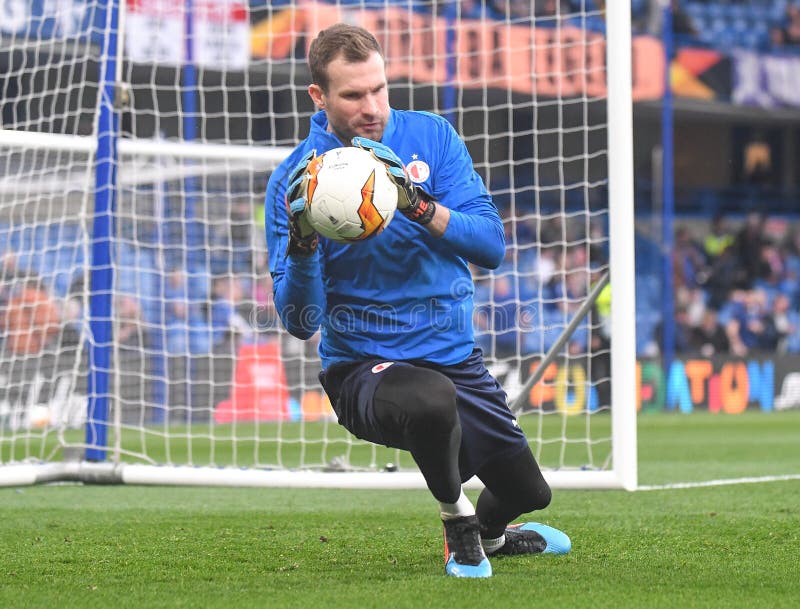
<point x="357" y="99"/>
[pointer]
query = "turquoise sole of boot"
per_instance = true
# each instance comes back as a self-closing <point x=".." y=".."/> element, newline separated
<point x="557" y="541"/>
<point x="454" y="569"/>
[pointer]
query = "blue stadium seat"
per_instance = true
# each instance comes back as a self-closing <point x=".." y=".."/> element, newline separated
<point x="697" y="12"/>
<point x="715" y="10"/>
<point x="755" y="13"/>
<point x="718" y="25"/>
<point x="639" y="8"/>
<point x="647" y="323"/>
<point x="757" y="38"/>
<point x="727" y="39"/>
<point x="735" y="11"/>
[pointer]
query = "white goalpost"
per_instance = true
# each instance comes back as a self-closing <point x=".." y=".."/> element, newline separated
<point x="138" y="339"/>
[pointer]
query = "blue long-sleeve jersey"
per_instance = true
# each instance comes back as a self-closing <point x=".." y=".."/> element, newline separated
<point x="404" y="294"/>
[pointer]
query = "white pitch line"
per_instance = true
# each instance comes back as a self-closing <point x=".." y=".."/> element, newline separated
<point x="725" y="482"/>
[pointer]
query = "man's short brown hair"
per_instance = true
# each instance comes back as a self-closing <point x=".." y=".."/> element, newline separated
<point x="352" y="42"/>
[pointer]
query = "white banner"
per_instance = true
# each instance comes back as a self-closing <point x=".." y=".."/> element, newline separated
<point x="766" y="81"/>
<point x="46" y="18"/>
<point x="156" y="32"/>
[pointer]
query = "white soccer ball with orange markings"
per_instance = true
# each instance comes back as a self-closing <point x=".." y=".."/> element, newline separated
<point x="350" y="195"/>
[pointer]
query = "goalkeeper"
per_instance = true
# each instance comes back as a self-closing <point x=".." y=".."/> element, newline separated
<point x="395" y="312"/>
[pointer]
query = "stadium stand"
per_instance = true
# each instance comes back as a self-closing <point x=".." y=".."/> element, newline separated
<point x="56" y="253"/>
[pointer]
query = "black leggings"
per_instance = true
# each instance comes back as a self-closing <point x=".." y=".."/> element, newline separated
<point x="417" y="411"/>
<point x="514" y="486"/>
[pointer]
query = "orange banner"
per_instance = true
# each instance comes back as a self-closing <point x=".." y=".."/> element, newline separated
<point x="541" y="62"/>
<point x="259" y="387"/>
<point x="260" y="391"/>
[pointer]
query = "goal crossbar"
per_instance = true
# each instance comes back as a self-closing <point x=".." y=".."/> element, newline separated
<point x="264" y="157"/>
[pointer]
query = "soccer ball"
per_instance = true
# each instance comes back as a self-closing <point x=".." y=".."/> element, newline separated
<point x="350" y="195"/>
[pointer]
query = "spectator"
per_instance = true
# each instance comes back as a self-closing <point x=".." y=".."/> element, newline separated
<point x="570" y="295"/>
<point x="132" y="360"/>
<point x="186" y="334"/>
<point x="473" y="9"/>
<point x="500" y="316"/>
<point x="791" y="254"/>
<point x="759" y="170"/>
<point x="788" y="33"/>
<point x="241" y="225"/>
<point x="683" y="329"/>
<point x="540" y="266"/>
<point x="11" y="276"/>
<point x="229" y="313"/>
<point x="549" y="12"/>
<point x="709" y="337"/>
<point x="747" y="246"/>
<point x="682" y="23"/>
<point x="773" y="270"/>
<point x="186" y="326"/>
<point x="725" y="276"/>
<point x="748" y="323"/>
<point x="786" y="323"/>
<point x="517" y="12"/>
<point x="212" y="372"/>
<point x="718" y="239"/>
<point x="130" y="329"/>
<point x="689" y="262"/>
<point x="31" y="319"/>
<point x="696" y="305"/>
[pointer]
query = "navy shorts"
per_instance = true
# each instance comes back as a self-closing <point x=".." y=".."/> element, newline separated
<point x="488" y="429"/>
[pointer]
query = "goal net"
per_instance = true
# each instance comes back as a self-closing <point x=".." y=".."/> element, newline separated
<point x="139" y="340"/>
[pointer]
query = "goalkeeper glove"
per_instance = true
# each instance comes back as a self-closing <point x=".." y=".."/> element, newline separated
<point x="303" y="239"/>
<point x="414" y="203"/>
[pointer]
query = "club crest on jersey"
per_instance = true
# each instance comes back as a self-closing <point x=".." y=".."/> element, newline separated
<point x="418" y="171"/>
<point x="381" y="367"/>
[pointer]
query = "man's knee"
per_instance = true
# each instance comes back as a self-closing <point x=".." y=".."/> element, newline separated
<point x="538" y="497"/>
<point x="517" y="482"/>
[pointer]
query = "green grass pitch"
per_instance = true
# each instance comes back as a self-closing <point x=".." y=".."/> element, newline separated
<point x="726" y="546"/>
